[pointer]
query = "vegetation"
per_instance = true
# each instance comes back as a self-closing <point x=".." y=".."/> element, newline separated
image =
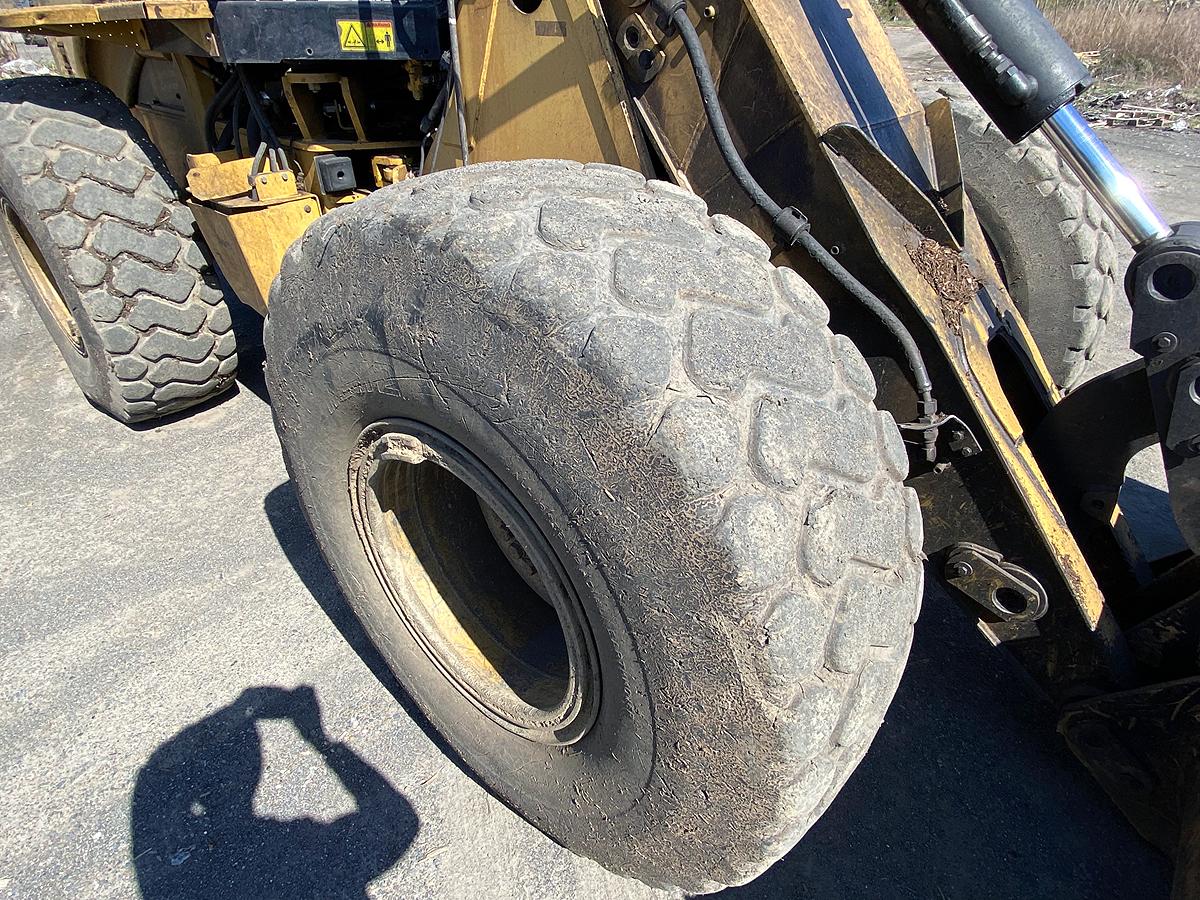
<point x="1142" y="41"/>
<point x="890" y="11"/>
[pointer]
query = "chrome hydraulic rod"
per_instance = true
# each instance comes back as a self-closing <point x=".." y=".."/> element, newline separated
<point x="1105" y="177"/>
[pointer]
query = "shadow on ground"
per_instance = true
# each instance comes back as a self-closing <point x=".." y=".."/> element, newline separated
<point x="248" y="326"/>
<point x="968" y="792"/>
<point x="195" y="832"/>
<point x="296" y="540"/>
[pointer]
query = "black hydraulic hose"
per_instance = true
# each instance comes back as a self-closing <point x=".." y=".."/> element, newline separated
<point x="253" y="136"/>
<point x="430" y="120"/>
<point x="256" y="109"/>
<point x="863" y="295"/>
<point x="218" y="102"/>
<point x="232" y="128"/>
<point x="791" y="222"/>
<point x="235" y="118"/>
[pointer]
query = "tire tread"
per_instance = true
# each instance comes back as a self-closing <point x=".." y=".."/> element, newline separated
<point x="109" y="204"/>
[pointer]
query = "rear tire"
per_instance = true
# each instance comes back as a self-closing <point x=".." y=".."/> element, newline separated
<point x="1054" y="245"/>
<point x="689" y="453"/>
<point x="91" y="220"/>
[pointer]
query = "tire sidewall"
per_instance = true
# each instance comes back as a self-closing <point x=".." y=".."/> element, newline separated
<point x="611" y="765"/>
<point x="446" y="300"/>
<point x="89" y="371"/>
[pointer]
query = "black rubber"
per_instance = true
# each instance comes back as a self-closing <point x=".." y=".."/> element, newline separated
<point x="702" y="453"/>
<point x="96" y="199"/>
<point x="1054" y="244"/>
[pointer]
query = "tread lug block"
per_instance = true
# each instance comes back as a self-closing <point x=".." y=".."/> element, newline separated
<point x="628" y="371"/>
<point x="84" y="201"/>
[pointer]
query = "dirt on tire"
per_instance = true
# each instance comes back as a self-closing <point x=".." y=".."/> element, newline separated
<point x="95" y="197"/>
<point x="703" y="451"/>
<point x="1055" y="247"/>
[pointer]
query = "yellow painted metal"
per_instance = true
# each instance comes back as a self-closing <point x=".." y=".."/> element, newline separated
<point x="247" y="234"/>
<point x="388" y="169"/>
<point x="69" y="56"/>
<point x="301" y="91"/>
<point x="67" y="14"/>
<point x="168" y="130"/>
<point x="218" y="176"/>
<point x="249" y="239"/>
<point x="122" y="32"/>
<point x="200" y="33"/>
<point x="118" y="24"/>
<point x="267" y="186"/>
<point x="540" y="85"/>
<point x="116" y="67"/>
<point x="198" y="91"/>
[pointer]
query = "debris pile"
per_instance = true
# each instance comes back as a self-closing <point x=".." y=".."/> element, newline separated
<point x="1170" y="107"/>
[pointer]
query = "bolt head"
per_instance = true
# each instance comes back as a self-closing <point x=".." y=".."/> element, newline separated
<point x="1165" y="342"/>
<point x="960" y="570"/>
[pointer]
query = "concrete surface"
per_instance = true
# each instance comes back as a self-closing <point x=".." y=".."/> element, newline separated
<point x="188" y="710"/>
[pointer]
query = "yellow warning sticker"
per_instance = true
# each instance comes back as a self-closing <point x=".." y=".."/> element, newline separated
<point x="366" y="37"/>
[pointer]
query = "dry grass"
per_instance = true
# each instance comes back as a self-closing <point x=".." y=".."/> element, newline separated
<point x="889" y="11"/>
<point x="1143" y="42"/>
<point x="1153" y="41"/>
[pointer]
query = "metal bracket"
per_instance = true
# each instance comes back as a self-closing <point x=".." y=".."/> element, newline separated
<point x="274" y="183"/>
<point x="1008" y="592"/>
<point x="1163" y="284"/>
<point x="641" y="48"/>
<point x="1183" y="432"/>
<point x="1143" y="746"/>
<point x="944" y="428"/>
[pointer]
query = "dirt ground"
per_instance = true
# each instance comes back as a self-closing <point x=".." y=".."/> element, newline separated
<point x="187" y="708"/>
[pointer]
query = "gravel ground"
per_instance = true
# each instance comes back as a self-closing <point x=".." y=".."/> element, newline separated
<point x="188" y="710"/>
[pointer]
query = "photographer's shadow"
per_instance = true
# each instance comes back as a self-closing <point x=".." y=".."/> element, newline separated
<point x="195" y="832"/>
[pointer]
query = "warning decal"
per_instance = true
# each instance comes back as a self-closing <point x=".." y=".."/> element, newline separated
<point x="366" y="37"/>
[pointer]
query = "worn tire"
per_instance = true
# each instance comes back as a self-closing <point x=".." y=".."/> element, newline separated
<point x="95" y="199"/>
<point x="1054" y="244"/>
<point x="701" y="451"/>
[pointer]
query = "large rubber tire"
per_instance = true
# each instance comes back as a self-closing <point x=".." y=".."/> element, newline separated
<point x="1054" y="244"/>
<point x="96" y="203"/>
<point x="700" y="451"/>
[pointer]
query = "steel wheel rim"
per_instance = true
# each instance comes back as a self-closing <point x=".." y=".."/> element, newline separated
<point x="29" y="260"/>
<point x="519" y="649"/>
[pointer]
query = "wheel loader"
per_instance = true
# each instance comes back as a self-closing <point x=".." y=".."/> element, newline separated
<point x="635" y="361"/>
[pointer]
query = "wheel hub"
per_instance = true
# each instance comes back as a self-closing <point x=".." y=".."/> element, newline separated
<point x="475" y="581"/>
